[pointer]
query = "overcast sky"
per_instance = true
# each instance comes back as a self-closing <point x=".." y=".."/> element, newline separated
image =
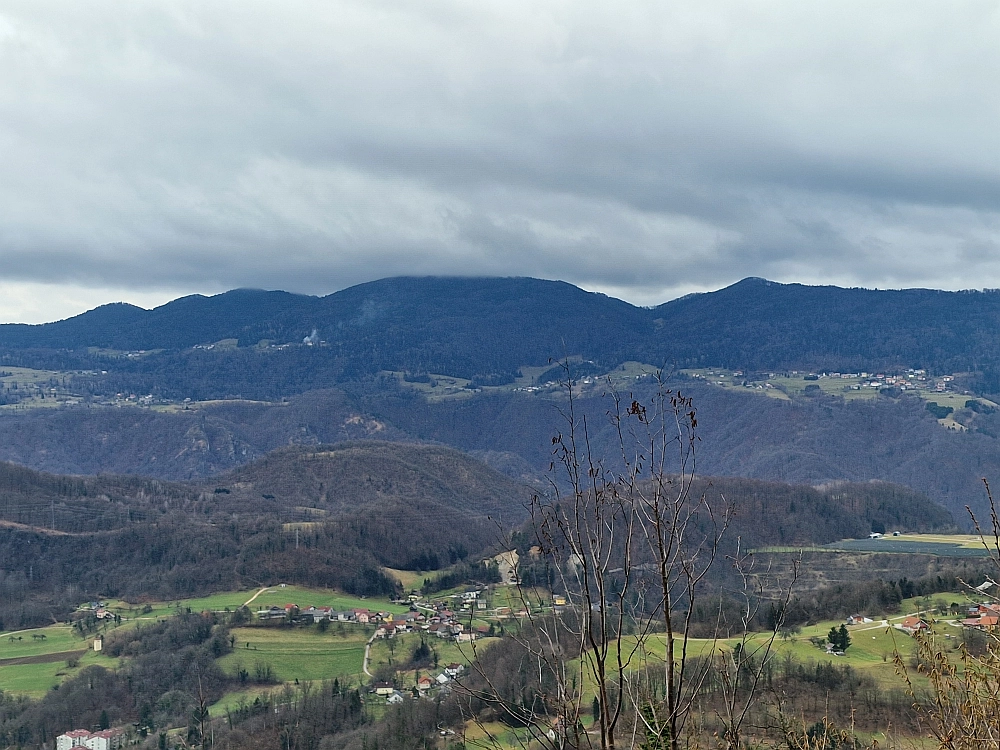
<point x="154" y="148"/>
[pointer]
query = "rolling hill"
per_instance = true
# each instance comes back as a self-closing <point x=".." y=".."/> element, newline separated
<point x="332" y="516"/>
<point x="320" y="516"/>
<point x="803" y="440"/>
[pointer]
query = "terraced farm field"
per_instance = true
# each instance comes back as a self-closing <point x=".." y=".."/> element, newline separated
<point x="920" y="544"/>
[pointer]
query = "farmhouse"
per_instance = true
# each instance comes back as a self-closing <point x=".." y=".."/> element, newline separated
<point x="983" y="617"/>
<point x="384" y="689"/>
<point x="912" y="625"/>
<point x="271" y="613"/>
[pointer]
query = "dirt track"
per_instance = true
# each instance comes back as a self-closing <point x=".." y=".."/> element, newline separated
<point x="42" y="658"/>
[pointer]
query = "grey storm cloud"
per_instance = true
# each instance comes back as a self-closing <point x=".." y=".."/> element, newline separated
<point x="645" y="149"/>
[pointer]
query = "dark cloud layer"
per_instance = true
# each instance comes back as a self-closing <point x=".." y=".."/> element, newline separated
<point x="157" y="148"/>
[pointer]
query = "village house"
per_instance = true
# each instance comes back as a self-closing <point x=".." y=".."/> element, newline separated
<point x="912" y="624"/>
<point x="983" y="617"/>
<point x="271" y="613"/>
<point x="424" y="684"/>
<point x="383" y="689"/>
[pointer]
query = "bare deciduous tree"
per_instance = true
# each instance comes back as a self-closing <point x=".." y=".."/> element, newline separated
<point x="628" y="544"/>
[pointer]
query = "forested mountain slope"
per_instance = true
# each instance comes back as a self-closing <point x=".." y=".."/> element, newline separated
<point x="493" y="326"/>
<point x="322" y="516"/>
<point x="810" y="440"/>
<point x="332" y="391"/>
<point x="332" y="516"/>
<point x="760" y="324"/>
<point x="360" y="475"/>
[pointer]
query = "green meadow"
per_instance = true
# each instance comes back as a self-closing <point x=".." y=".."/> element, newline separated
<point x="34" y="665"/>
<point x="299" y="653"/>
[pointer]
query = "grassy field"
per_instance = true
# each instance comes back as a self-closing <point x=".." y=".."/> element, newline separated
<point x="31" y="384"/>
<point x="30" y="642"/>
<point x="411" y="579"/>
<point x="958" y="545"/>
<point x="494" y="735"/>
<point x="305" y="597"/>
<point x="872" y="645"/>
<point x="231" y="700"/>
<point x="966" y="541"/>
<point x="278" y="596"/>
<point x="33" y="666"/>
<point x="299" y="653"/>
<point x="943" y="545"/>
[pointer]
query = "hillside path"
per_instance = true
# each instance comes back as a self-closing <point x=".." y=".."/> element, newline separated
<point x="247" y="602"/>
<point x="368" y="649"/>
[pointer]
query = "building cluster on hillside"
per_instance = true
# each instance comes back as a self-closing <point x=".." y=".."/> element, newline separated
<point x="978" y="617"/>
<point x="106" y="739"/>
<point x="440" y="622"/>
<point x="425" y="687"/>
<point x="982" y="617"/>
<point x="911" y="379"/>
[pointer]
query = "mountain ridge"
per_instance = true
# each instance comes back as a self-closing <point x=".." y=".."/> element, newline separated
<point x="468" y="326"/>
